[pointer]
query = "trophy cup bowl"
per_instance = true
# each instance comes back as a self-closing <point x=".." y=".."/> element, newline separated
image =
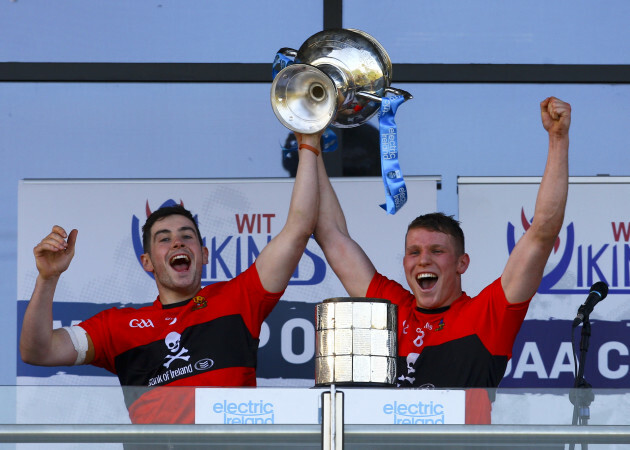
<point x="339" y="77"/>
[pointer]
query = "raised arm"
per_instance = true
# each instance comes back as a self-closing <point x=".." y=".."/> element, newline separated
<point x="278" y="260"/>
<point x="524" y="269"/>
<point x="39" y="343"/>
<point x="347" y="259"/>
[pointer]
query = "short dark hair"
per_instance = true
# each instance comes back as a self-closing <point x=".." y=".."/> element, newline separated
<point x="444" y="224"/>
<point x="161" y="213"/>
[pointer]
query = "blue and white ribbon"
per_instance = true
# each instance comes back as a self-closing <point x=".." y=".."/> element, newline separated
<point x="395" y="189"/>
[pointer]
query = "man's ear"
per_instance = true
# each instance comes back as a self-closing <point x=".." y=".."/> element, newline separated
<point x="146" y="262"/>
<point x="462" y="264"/>
<point x="205" y="253"/>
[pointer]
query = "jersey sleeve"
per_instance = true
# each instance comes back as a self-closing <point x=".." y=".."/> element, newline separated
<point x="383" y="287"/>
<point x="256" y="302"/>
<point x="499" y="321"/>
<point x="99" y="330"/>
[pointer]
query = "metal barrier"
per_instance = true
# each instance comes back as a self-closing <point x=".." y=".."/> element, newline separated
<point x="310" y="435"/>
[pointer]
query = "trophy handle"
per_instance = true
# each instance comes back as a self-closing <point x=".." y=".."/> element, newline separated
<point x="394" y="91"/>
<point x="288" y="52"/>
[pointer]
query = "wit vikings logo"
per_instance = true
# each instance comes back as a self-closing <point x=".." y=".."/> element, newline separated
<point x="552" y="277"/>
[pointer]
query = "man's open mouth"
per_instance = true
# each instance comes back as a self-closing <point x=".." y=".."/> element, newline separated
<point x="180" y="263"/>
<point x="426" y="281"/>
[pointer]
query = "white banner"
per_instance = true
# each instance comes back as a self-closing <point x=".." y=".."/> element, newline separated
<point x="592" y="246"/>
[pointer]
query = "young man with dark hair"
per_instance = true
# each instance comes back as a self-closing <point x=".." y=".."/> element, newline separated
<point x="190" y="336"/>
<point x="447" y="339"/>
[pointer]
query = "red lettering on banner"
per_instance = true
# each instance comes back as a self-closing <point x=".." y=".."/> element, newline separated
<point x="618" y="229"/>
<point x="246" y="221"/>
<point x="268" y="217"/>
<point x="250" y="221"/>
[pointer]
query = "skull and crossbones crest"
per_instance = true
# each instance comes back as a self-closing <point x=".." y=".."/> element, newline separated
<point x="172" y="342"/>
<point x="411" y="361"/>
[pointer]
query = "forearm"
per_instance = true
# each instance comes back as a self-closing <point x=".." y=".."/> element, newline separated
<point x="553" y="190"/>
<point x="346" y="258"/>
<point x="331" y="219"/>
<point x="304" y="205"/>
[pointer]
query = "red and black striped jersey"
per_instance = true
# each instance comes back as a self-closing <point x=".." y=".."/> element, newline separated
<point x="464" y="345"/>
<point x="209" y="340"/>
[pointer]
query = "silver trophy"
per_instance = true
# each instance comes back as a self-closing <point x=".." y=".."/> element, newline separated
<point x="339" y="77"/>
<point x="355" y="342"/>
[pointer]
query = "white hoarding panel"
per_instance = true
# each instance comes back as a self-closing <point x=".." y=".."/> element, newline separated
<point x="257" y="406"/>
<point x="404" y="406"/>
